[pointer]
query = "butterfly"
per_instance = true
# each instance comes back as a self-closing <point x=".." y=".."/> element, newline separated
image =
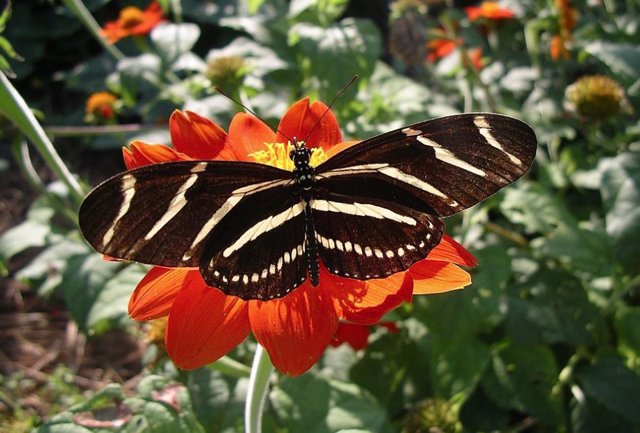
<point x="258" y="232"/>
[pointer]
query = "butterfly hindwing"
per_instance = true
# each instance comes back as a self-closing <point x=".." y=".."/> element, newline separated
<point x="366" y="238"/>
<point x="258" y="250"/>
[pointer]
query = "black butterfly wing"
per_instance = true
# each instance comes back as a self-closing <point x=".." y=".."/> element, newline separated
<point x="363" y="238"/>
<point x="442" y="166"/>
<point x="163" y="214"/>
<point x="258" y="250"/>
<point x="404" y="181"/>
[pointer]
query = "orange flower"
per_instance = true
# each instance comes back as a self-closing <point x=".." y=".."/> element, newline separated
<point x="101" y="105"/>
<point x="356" y="335"/>
<point x="489" y="10"/>
<point x="439" y="48"/>
<point x="204" y="323"/>
<point x="567" y="18"/>
<point x="133" y="22"/>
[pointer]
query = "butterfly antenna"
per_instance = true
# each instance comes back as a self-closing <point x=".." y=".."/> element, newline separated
<point x="231" y="98"/>
<point x="335" y="98"/>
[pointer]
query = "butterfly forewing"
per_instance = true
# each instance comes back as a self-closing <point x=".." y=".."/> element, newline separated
<point x="446" y="164"/>
<point x="163" y="214"/>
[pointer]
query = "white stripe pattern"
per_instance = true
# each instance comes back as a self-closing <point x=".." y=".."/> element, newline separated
<point x="177" y="203"/>
<point x="264" y="226"/>
<point x="361" y="209"/>
<point x="485" y="131"/>
<point x="226" y="207"/>
<point x="394" y="173"/>
<point x="446" y="156"/>
<point x="128" y="191"/>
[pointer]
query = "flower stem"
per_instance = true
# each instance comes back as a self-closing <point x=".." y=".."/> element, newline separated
<point x="14" y="107"/>
<point x="257" y="393"/>
<point x="83" y="14"/>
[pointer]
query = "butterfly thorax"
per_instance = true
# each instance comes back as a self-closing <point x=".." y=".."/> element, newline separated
<point x="303" y="174"/>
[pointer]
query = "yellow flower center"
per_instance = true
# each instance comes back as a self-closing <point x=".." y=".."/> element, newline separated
<point x="131" y="16"/>
<point x="277" y="155"/>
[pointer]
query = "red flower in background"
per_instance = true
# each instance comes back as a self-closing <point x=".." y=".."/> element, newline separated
<point x="439" y="48"/>
<point x="204" y="323"/>
<point x="133" y="21"/>
<point x="101" y="105"/>
<point x="357" y="336"/>
<point x="490" y="11"/>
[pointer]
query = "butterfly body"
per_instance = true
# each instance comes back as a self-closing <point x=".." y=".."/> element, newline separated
<point x="258" y="232"/>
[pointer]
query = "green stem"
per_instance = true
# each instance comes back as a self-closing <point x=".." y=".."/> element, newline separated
<point x="14" y="107"/>
<point x="21" y="155"/>
<point x="231" y="367"/>
<point x="83" y="14"/>
<point x="257" y="392"/>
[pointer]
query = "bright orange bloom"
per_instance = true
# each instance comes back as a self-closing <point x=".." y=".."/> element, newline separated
<point x="439" y="48"/>
<point x="204" y="323"/>
<point x="475" y="55"/>
<point x="567" y="18"/>
<point x="101" y="104"/>
<point x="356" y="335"/>
<point x="133" y="22"/>
<point x="489" y="10"/>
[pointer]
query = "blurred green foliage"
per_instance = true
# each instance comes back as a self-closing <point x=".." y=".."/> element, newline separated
<point x="547" y="339"/>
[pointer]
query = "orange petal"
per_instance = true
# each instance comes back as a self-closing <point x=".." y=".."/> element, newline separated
<point x="301" y="118"/>
<point x="156" y="292"/>
<point x="431" y="277"/>
<point x="204" y="324"/>
<point x="448" y="250"/>
<point x="140" y="154"/>
<point x="354" y="335"/>
<point x="198" y="137"/>
<point x="340" y="147"/>
<point x="366" y="302"/>
<point x="295" y="329"/>
<point x="247" y="134"/>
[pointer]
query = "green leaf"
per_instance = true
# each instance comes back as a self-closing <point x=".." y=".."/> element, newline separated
<point x="541" y="211"/>
<point x="609" y="382"/>
<point x="63" y="427"/>
<point x="589" y="416"/>
<point x="522" y="378"/>
<point x="550" y="307"/>
<point x="627" y="325"/>
<point x="457" y="365"/>
<point x="480" y="414"/>
<point x="25" y="235"/>
<point x="330" y="56"/>
<point x="173" y="40"/>
<point x="215" y="402"/>
<point x="47" y="268"/>
<point x="84" y="278"/>
<point x="313" y="404"/>
<point x="623" y="59"/>
<point x="320" y="12"/>
<point x="620" y="189"/>
<point x="109" y="307"/>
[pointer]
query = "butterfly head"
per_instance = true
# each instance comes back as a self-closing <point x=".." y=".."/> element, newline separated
<point x="300" y="155"/>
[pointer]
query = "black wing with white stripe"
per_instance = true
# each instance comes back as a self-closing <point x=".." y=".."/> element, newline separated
<point x="163" y="214"/>
<point x="256" y="231"/>
<point x="443" y="165"/>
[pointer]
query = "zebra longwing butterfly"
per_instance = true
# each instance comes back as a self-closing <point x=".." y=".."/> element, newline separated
<point x="258" y="232"/>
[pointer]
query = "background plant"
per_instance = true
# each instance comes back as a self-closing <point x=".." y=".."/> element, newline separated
<point x="546" y="339"/>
